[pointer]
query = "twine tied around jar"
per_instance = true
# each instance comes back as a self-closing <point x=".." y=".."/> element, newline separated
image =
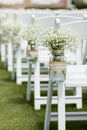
<point x="32" y="54"/>
<point x="57" y="66"/>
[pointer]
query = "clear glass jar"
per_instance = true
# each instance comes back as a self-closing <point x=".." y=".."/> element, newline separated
<point x="58" y="66"/>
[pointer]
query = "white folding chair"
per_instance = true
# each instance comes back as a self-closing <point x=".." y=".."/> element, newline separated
<point x="80" y="28"/>
<point x="38" y="99"/>
<point x="26" y="17"/>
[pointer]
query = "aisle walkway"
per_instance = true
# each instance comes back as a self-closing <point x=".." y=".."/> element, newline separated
<point x="17" y="114"/>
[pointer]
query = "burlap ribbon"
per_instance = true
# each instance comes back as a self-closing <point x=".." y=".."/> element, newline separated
<point x="32" y="54"/>
<point x="57" y="66"/>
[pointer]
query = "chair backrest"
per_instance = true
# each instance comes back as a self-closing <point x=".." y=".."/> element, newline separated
<point x="49" y="21"/>
<point x="78" y="26"/>
<point x="26" y="16"/>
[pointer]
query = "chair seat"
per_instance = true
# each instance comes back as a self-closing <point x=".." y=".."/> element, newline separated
<point x="76" y="76"/>
<point x="76" y="82"/>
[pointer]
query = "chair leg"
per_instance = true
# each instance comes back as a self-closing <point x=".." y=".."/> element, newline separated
<point x="28" y="95"/>
<point x="84" y="54"/>
<point x="10" y="56"/>
<point x="19" y="67"/>
<point x="13" y="64"/>
<point x="78" y="93"/>
<point x="61" y="106"/>
<point x="5" y="63"/>
<point x="37" y="86"/>
<point x="48" y="106"/>
<point x="3" y="52"/>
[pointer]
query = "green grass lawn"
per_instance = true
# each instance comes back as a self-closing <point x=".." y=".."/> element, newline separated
<point x="17" y="114"/>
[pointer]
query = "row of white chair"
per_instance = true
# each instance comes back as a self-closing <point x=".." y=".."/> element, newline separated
<point x="47" y="21"/>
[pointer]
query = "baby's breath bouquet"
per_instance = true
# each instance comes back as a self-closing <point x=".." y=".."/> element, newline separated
<point x="31" y="33"/>
<point x="15" y="30"/>
<point x="62" y="39"/>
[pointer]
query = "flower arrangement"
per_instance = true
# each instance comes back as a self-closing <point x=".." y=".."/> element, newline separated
<point x="31" y="33"/>
<point x="62" y="39"/>
<point x="15" y="28"/>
